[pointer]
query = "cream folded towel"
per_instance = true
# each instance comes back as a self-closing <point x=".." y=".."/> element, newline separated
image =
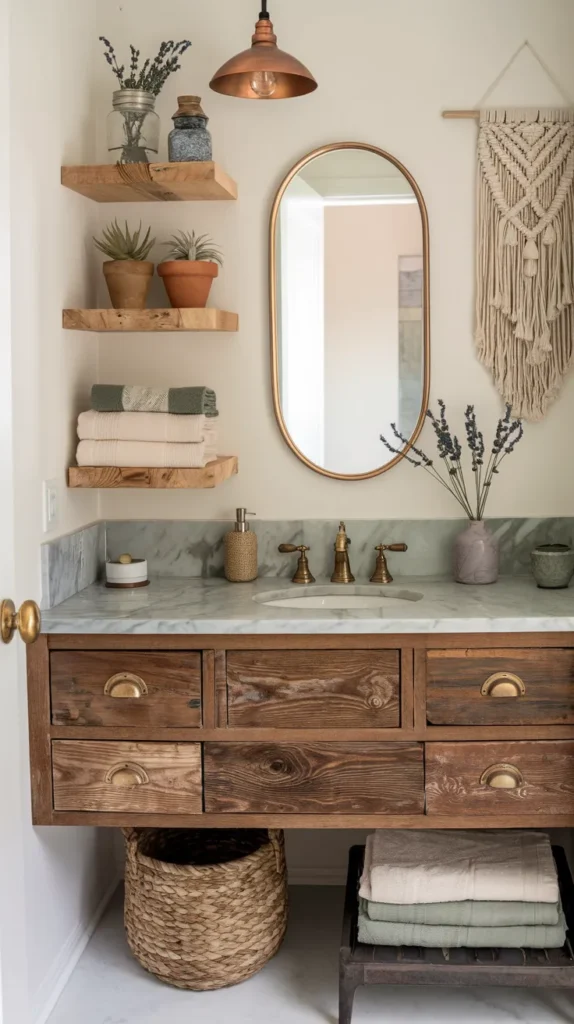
<point x="408" y="867"/>
<point x="145" y="454"/>
<point x="144" y="426"/>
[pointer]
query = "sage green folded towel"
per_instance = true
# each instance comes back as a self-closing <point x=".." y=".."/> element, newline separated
<point x="443" y="936"/>
<point x="193" y="401"/>
<point x="473" y="913"/>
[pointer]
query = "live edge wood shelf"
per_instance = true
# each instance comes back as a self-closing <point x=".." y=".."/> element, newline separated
<point x="148" y="183"/>
<point x="295" y="731"/>
<point x="146" y="320"/>
<point x="212" y="475"/>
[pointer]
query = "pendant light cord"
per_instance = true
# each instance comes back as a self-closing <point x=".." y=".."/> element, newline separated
<point x="264" y="14"/>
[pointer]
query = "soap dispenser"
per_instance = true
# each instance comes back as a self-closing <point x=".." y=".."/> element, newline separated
<point x="241" y="550"/>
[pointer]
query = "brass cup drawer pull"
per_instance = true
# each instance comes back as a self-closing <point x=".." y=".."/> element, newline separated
<point x="127" y="775"/>
<point x="502" y="776"/>
<point x="124" y="685"/>
<point x="503" y="684"/>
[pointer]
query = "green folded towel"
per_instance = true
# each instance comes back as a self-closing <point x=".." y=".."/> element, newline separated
<point x="195" y="401"/>
<point x="475" y="913"/>
<point x="387" y="933"/>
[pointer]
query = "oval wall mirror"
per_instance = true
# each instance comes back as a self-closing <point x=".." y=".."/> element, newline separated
<point x="349" y="308"/>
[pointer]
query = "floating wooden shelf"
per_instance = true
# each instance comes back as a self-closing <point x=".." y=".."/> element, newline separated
<point x="149" y="320"/>
<point x="212" y="475"/>
<point x="150" y="183"/>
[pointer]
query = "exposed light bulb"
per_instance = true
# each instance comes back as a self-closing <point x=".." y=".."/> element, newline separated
<point x="264" y="84"/>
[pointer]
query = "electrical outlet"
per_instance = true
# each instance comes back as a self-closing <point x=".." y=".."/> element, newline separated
<point x="51" y="510"/>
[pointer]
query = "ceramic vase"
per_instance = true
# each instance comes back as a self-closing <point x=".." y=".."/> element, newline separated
<point x="553" y="565"/>
<point x="128" y="282"/>
<point x="476" y="555"/>
<point x="188" y="282"/>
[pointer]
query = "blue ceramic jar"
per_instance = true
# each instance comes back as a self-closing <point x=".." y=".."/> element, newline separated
<point x="190" y="139"/>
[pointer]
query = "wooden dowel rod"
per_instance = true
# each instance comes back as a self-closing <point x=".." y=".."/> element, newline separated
<point x="462" y="114"/>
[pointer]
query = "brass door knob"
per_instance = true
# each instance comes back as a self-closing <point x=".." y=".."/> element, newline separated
<point x="502" y="776"/>
<point x="27" y="620"/>
<point x="503" y="684"/>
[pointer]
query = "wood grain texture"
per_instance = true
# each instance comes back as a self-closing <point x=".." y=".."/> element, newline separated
<point x="158" y="182"/>
<point x="82" y="768"/>
<point x="220" y="672"/>
<point x="173" y="682"/>
<point x="107" y="819"/>
<point x="38" y="672"/>
<point x="148" y="320"/>
<point x="455" y="678"/>
<point x="212" y="475"/>
<point x="208" y="690"/>
<point x="305" y="642"/>
<point x="407" y="688"/>
<point x="330" y="689"/>
<point x="312" y="778"/>
<point x="454" y="770"/>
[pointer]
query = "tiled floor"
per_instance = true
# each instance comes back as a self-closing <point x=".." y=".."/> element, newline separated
<point x="300" y="985"/>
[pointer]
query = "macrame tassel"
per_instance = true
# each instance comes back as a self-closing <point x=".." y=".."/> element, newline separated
<point x="530" y="257"/>
<point x="549" y="236"/>
<point x="510" y="235"/>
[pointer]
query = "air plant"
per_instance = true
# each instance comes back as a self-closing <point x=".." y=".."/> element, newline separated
<point x="153" y="74"/>
<point x="186" y="246"/>
<point x="484" y="465"/>
<point x="121" y="244"/>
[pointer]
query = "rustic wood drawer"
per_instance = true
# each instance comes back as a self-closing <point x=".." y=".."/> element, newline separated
<point x="314" y="778"/>
<point x="314" y="689"/>
<point x="504" y="687"/>
<point x="158" y="778"/>
<point x="112" y="688"/>
<point x="535" y="776"/>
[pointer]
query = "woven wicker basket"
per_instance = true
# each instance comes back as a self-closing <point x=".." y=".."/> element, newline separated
<point x="205" y="908"/>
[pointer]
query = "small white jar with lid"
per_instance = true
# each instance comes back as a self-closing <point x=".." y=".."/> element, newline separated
<point x="127" y="572"/>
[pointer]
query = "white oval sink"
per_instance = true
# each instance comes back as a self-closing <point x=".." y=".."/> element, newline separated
<point x="339" y="598"/>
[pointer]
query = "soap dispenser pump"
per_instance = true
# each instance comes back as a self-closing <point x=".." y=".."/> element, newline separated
<point x="241" y="550"/>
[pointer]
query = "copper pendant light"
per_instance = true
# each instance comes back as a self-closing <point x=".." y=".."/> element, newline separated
<point x="264" y="72"/>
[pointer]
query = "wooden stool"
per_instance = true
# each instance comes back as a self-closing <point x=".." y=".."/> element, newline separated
<point x="360" y="964"/>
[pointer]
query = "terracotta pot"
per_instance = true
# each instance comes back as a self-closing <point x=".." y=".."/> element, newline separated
<point x="188" y="282"/>
<point x="128" y="282"/>
<point x="476" y="555"/>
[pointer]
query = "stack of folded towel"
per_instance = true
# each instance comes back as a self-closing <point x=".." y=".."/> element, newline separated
<point x="452" y="889"/>
<point x="147" y="427"/>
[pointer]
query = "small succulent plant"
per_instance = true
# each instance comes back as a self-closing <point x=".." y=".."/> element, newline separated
<point x="186" y="246"/>
<point x="121" y="244"/>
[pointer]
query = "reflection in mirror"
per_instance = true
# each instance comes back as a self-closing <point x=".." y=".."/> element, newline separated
<point x="350" y="308"/>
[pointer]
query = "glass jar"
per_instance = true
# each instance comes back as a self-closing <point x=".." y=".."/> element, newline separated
<point x="190" y="139"/>
<point x="133" y="127"/>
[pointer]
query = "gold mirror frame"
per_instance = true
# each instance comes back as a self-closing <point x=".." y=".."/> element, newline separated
<point x="274" y="308"/>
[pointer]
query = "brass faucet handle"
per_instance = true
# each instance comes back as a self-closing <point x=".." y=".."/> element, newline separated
<point x="303" y="573"/>
<point x="381" y="573"/>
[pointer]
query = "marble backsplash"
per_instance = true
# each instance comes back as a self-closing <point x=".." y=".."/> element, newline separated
<point x="71" y="563"/>
<point x="195" y="548"/>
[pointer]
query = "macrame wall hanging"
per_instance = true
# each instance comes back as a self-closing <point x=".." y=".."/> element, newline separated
<point x="525" y="252"/>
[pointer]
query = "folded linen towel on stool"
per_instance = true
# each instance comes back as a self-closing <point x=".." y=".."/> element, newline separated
<point x="471" y="913"/>
<point x="148" y="454"/>
<point x="145" y="426"/>
<point x="433" y="866"/>
<point x="387" y="933"/>
<point x="193" y="401"/>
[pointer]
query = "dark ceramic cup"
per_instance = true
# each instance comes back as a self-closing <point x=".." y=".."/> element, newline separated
<point x="553" y="565"/>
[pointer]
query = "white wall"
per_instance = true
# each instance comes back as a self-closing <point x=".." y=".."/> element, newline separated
<point x="385" y="72"/>
<point x="64" y="872"/>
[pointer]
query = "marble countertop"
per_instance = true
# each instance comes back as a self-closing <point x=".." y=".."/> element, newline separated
<point x="176" y="605"/>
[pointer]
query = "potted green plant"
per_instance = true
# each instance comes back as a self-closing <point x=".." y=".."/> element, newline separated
<point x="127" y="271"/>
<point x="133" y="125"/>
<point x="189" y="269"/>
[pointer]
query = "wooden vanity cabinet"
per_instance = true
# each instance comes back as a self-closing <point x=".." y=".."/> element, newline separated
<point x="418" y="731"/>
